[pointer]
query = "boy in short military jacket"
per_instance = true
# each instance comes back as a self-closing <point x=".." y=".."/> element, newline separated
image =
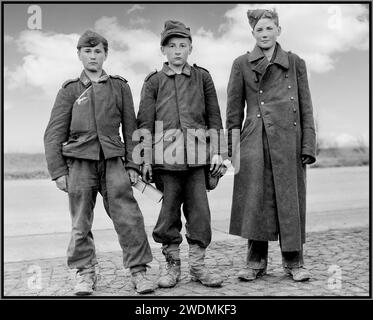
<point x="85" y="155"/>
<point x="178" y="105"/>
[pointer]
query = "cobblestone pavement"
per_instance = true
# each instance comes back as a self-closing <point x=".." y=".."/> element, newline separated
<point x="337" y="259"/>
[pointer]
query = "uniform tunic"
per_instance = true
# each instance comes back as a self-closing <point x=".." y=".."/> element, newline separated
<point x="82" y="142"/>
<point x="86" y="116"/>
<point x="177" y="108"/>
<point x="179" y="103"/>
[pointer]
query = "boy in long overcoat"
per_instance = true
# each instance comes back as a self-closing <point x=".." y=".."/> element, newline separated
<point x="277" y="141"/>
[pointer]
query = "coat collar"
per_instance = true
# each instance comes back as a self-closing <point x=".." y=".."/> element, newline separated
<point x="169" y="72"/>
<point x="86" y="81"/>
<point x="260" y="62"/>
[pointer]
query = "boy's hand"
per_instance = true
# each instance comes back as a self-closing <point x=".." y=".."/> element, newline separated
<point x="217" y="168"/>
<point x="134" y="176"/>
<point x="306" y="159"/>
<point x="61" y="183"/>
<point x="147" y="173"/>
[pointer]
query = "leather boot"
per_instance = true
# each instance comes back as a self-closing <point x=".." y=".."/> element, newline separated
<point x="170" y="271"/>
<point x="198" y="270"/>
<point x="170" y="274"/>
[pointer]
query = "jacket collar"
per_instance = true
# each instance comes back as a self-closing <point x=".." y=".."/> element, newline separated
<point x="86" y="81"/>
<point x="260" y="62"/>
<point x="169" y="72"/>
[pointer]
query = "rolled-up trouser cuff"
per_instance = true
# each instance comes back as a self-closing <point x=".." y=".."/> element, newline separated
<point x="138" y="268"/>
<point x="172" y="250"/>
<point x="88" y="269"/>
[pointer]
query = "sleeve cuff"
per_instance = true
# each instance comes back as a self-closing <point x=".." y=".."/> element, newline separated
<point x="311" y="155"/>
<point x="58" y="174"/>
<point x="132" y="165"/>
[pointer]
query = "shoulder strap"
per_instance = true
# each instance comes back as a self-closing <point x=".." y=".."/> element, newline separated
<point x="69" y="81"/>
<point x="194" y="65"/>
<point x="150" y="75"/>
<point x="118" y="77"/>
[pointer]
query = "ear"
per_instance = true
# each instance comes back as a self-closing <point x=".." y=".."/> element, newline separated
<point x="78" y="53"/>
<point x="278" y="30"/>
<point x="106" y="54"/>
<point x="163" y="51"/>
<point x="190" y="48"/>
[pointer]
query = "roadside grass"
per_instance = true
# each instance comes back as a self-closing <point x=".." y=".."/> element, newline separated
<point x="33" y="166"/>
<point x="25" y="166"/>
<point x="342" y="157"/>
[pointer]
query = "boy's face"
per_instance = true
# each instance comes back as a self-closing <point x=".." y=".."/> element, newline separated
<point x="177" y="51"/>
<point x="266" y="33"/>
<point x="92" y="57"/>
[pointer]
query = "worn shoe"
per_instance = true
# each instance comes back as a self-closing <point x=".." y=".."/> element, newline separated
<point x="250" y="274"/>
<point x="85" y="283"/>
<point x="170" y="274"/>
<point x="141" y="283"/>
<point x="206" y="277"/>
<point x="298" y="273"/>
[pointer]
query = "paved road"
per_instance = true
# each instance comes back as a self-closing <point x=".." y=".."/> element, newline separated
<point x="338" y="261"/>
<point x="37" y="223"/>
<point x="37" y="232"/>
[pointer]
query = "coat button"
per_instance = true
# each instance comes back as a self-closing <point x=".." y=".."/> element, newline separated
<point x="286" y="76"/>
<point x="289" y="87"/>
<point x="258" y="115"/>
<point x="291" y="98"/>
<point x="260" y="91"/>
<point x="262" y="103"/>
<point x="294" y="110"/>
<point x="295" y="123"/>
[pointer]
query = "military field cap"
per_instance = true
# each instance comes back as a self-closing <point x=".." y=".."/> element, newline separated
<point x="257" y="14"/>
<point x="91" y="39"/>
<point x="174" y="28"/>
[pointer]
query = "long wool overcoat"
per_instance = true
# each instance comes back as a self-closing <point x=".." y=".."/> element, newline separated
<point x="278" y="110"/>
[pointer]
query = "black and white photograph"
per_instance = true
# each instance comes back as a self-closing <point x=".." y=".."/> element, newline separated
<point x="157" y="150"/>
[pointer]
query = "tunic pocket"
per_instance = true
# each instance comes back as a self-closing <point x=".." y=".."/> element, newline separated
<point x="80" y="118"/>
<point x="117" y="141"/>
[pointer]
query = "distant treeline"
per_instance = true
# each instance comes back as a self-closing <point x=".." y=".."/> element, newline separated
<point x="33" y="166"/>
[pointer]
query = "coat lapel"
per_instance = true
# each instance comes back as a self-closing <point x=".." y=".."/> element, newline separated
<point x="282" y="58"/>
<point x="259" y="62"/>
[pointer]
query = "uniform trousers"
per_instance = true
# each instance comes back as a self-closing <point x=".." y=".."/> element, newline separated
<point x="186" y="189"/>
<point x="108" y="177"/>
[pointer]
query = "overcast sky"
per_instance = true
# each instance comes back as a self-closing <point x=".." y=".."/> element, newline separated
<point x="333" y="40"/>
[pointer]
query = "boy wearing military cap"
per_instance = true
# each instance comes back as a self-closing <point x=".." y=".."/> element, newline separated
<point x="277" y="142"/>
<point x="85" y="155"/>
<point x="176" y="103"/>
